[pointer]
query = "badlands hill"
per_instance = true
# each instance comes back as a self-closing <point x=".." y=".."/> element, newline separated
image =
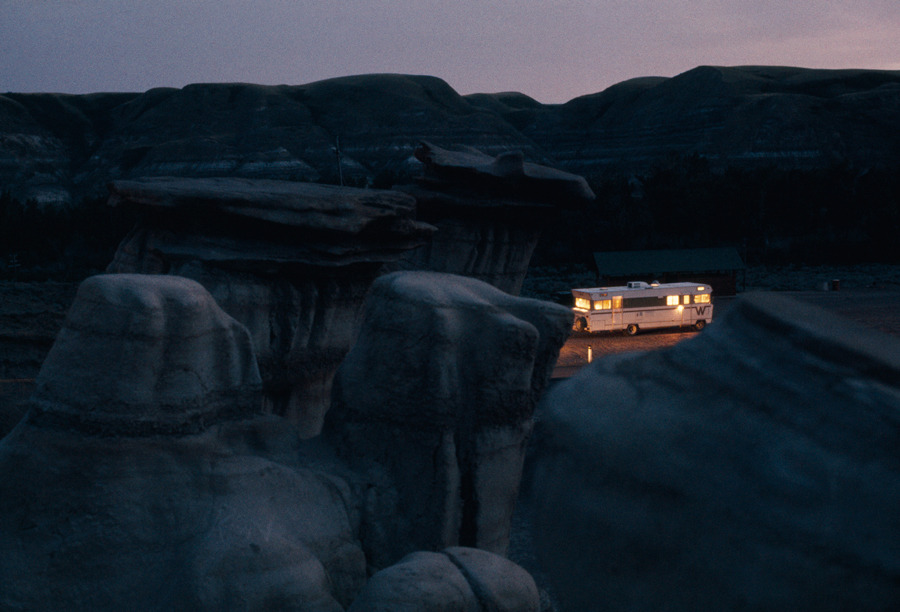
<point x="57" y="148"/>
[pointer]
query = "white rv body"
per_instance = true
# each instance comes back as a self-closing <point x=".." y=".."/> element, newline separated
<point x="640" y="305"/>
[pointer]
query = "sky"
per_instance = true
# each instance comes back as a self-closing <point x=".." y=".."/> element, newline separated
<point x="551" y="50"/>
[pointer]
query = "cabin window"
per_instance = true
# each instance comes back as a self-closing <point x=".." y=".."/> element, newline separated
<point x="671" y="300"/>
<point x="602" y="304"/>
<point x="581" y="302"/>
<point x="702" y="298"/>
<point x="617" y="301"/>
<point x="685" y="299"/>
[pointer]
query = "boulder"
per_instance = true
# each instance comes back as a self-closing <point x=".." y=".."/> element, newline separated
<point x="433" y="407"/>
<point x="752" y="467"/>
<point x="454" y="580"/>
<point x="489" y="212"/>
<point x="118" y="490"/>
<point x="291" y="261"/>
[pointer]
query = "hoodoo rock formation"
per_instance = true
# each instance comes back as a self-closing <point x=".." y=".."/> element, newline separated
<point x="489" y="211"/>
<point x="117" y="491"/>
<point x="291" y="261"/>
<point x="754" y="467"/>
<point x="146" y="475"/>
<point x="434" y="405"/>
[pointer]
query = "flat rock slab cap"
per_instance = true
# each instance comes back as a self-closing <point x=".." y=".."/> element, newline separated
<point x="541" y="182"/>
<point x="309" y="205"/>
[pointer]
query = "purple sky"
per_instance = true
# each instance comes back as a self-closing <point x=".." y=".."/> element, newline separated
<point x="552" y="50"/>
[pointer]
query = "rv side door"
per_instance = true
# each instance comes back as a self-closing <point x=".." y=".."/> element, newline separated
<point x="616" y="317"/>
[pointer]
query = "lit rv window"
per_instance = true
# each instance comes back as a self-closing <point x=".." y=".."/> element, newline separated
<point x="701" y="288"/>
<point x="686" y="299"/>
<point x="582" y="303"/>
<point x="702" y="298"/>
<point x="602" y="304"/>
<point x="671" y="300"/>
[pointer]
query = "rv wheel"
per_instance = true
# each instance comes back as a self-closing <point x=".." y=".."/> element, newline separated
<point x="580" y="324"/>
<point x="631" y="329"/>
<point x="699" y="324"/>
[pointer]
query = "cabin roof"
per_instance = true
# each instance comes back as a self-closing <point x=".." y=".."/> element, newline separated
<point x="667" y="261"/>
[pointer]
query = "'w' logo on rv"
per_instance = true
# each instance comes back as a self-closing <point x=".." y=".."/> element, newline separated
<point x="701" y="310"/>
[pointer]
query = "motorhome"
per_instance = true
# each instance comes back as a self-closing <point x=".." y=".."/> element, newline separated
<point x="640" y="305"/>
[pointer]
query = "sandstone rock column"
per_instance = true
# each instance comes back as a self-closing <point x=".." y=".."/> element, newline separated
<point x="291" y="261"/>
<point x="433" y="406"/>
<point x="489" y="211"/>
<point x="117" y="490"/>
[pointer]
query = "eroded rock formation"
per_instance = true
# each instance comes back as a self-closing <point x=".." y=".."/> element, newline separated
<point x="55" y="148"/>
<point x="489" y="211"/>
<point x="117" y="489"/>
<point x="433" y="407"/>
<point x="145" y="474"/>
<point x="753" y="467"/>
<point x="291" y="261"/>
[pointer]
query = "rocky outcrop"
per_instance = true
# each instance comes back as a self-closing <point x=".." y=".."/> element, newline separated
<point x="146" y="476"/>
<point x="489" y="212"/>
<point x="731" y="116"/>
<point x="454" y="580"/>
<point x="433" y="407"/>
<point x="118" y="489"/>
<point x="753" y="467"/>
<point x="57" y="148"/>
<point x="291" y="261"/>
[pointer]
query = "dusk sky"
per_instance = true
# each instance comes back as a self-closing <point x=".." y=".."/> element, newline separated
<point x="552" y="50"/>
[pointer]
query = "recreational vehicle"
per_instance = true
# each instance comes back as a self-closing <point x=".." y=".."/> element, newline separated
<point x="640" y="305"/>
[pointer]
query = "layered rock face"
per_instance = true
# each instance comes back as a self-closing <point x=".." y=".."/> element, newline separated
<point x="433" y="407"/>
<point x="117" y="490"/>
<point x="60" y="147"/>
<point x="291" y="261"/>
<point x="753" y="467"/>
<point x="57" y="148"/>
<point x="489" y="211"/>
<point x="740" y="116"/>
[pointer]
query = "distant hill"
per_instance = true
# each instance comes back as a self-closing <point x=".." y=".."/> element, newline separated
<point x="787" y="164"/>
<point x="56" y="148"/>
<point x="731" y="116"/>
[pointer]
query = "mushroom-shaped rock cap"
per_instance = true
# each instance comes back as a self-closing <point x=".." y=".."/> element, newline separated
<point x="508" y="173"/>
<point x="280" y="221"/>
<point x="142" y="354"/>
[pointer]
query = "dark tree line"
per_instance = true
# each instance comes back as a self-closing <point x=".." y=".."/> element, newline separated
<point x="836" y="215"/>
<point x="40" y="242"/>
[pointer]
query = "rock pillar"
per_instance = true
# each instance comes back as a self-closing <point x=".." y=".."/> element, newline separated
<point x="434" y="406"/>
<point x="291" y="261"/>
<point x="489" y="211"/>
